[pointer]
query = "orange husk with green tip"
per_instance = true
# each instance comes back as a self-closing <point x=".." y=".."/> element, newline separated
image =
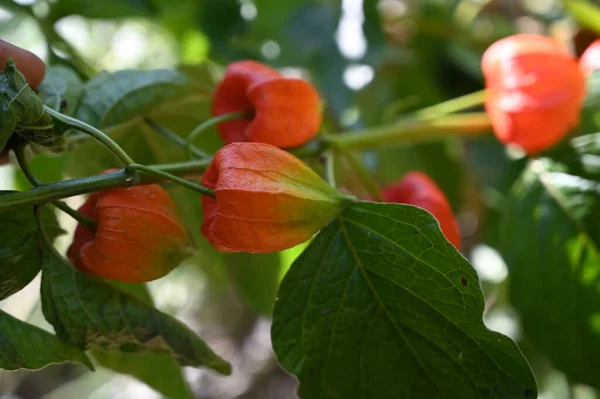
<point x="267" y="200"/>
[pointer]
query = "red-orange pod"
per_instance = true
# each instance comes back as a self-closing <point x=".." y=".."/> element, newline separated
<point x="267" y="200"/>
<point x="29" y="64"/>
<point x="590" y="59"/>
<point x="281" y="112"/>
<point x="535" y="91"/>
<point x="139" y="236"/>
<point x="416" y="188"/>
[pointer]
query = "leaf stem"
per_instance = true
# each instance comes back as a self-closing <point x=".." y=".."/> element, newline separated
<point x="209" y="123"/>
<point x="330" y="167"/>
<point x="161" y="173"/>
<point x="44" y="234"/>
<point x="411" y="131"/>
<point x="175" y="138"/>
<point x="454" y="105"/>
<point x="361" y="172"/>
<point x="69" y="188"/>
<point x="35" y="182"/>
<point x="92" y="131"/>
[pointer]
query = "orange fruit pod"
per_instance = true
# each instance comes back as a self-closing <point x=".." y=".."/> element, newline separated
<point x="267" y="200"/>
<point x="416" y="188"/>
<point x="590" y="59"/>
<point x="282" y="112"/>
<point x="535" y="91"/>
<point x="29" y="64"/>
<point x="139" y="236"/>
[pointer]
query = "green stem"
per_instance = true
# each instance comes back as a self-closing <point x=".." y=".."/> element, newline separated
<point x="361" y="172"/>
<point x="209" y="123"/>
<point x="92" y="131"/>
<point x="411" y="131"/>
<point x="451" y="106"/>
<point x="161" y="173"/>
<point x="175" y="138"/>
<point x="44" y="234"/>
<point x="35" y="182"/>
<point x="70" y="188"/>
<point x="330" y="167"/>
<point x="79" y="217"/>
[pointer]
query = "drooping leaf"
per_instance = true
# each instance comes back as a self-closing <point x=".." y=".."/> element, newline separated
<point x="159" y="371"/>
<point x="61" y="89"/>
<point x="554" y="271"/>
<point x="24" y="346"/>
<point x="32" y="121"/>
<point x="380" y="305"/>
<point x="91" y="314"/>
<point x="20" y="249"/>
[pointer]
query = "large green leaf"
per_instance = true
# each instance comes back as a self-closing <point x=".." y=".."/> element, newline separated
<point x="550" y="238"/>
<point x="20" y="249"/>
<point x="24" y="346"/>
<point x="380" y="305"/>
<point x="26" y="116"/>
<point x="91" y="314"/>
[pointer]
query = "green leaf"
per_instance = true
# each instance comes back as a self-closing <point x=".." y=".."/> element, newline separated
<point x="91" y="314"/>
<point x="590" y="113"/>
<point x="114" y="98"/>
<point x="106" y="9"/>
<point x="61" y="89"/>
<point x="159" y="371"/>
<point x="20" y="249"/>
<point x="550" y="238"/>
<point x="256" y="278"/>
<point x="24" y="346"/>
<point x="380" y="305"/>
<point x="32" y="121"/>
<point x="8" y="122"/>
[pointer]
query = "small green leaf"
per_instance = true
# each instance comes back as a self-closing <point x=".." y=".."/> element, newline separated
<point x="32" y="121"/>
<point x="8" y="122"/>
<point x="380" y="305"/>
<point x="256" y="278"/>
<point x="20" y="250"/>
<point x="158" y="371"/>
<point x="24" y="346"/>
<point x="91" y="314"/>
<point x="161" y="372"/>
<point x="61" y="89"/>
<point x="554" y="272"/>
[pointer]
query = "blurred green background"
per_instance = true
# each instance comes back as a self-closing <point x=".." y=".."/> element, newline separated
<point x="371" y="60"/>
